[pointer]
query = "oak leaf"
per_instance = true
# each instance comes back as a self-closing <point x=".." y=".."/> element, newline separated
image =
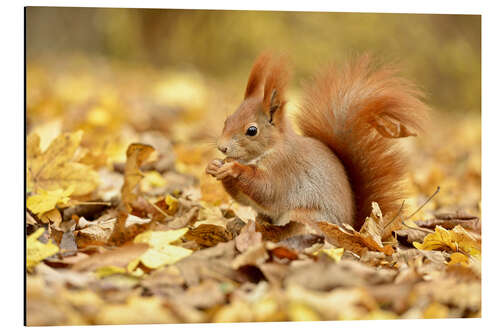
<point x="56" y="167"/>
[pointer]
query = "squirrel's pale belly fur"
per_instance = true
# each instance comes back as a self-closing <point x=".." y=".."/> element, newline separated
<point x="308" y="187"/>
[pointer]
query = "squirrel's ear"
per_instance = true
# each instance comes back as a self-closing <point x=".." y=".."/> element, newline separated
<point x="274" y="91"/>
<point x="257" y="74"/>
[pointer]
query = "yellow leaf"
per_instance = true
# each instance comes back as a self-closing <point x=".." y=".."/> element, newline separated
<point x="436" y="310"/>
<point x="335" y="254"/>
<point x="53" y="216"/>
<point x="137" y="154"/>
<point x="104" y="271"/>
<point x="99" y="116"/>
<point x="55" y="168"/>
<point x="136" y="310"/>
<point x="47" y="132"/>
<point x="160" y="252"/>
<point x="454" y="240"/>
<point x="152" y="179"/>
<point x="172" y="204"/>
<point x="300" y="312"/>
<point x="458" y="258"/>
<point x="45" y="201"/>
<point x="37" y="251"/>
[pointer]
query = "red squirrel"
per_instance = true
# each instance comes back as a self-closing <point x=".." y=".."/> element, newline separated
<point x="339" y="165"/>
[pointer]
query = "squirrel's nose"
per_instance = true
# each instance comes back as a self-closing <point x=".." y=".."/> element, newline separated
<point x="222" y="148"/>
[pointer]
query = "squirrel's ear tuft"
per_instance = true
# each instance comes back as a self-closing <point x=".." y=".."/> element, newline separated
<point x="257" y="74"/>
<point x="274" y="89"/>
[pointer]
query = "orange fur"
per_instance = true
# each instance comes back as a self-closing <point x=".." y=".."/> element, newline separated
<point x="339" y="165"/>
<point x="339" y="110"/>
<point x="257" y="74"/>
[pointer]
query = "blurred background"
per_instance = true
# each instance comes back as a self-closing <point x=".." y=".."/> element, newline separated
<point x="117" y="73"/>
<point x="441" y="52"/>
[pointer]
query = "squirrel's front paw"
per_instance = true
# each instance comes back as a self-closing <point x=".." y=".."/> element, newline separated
<point x="213" y="167"/>
<point x="228" y="170"/>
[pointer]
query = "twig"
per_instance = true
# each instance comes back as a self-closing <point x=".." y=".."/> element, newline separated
<point x="159" y="209"/>
<point x="394" y="218"/>
<point x="418" y="209"/>
<point x="88" y="203"/>
<point x="416" y="228"/>
<point x="425" y="203"/>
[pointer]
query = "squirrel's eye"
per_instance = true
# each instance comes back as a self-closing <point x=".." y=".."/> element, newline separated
<point x="251" y="131"/>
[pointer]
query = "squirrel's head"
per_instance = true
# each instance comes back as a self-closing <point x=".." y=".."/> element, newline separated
<point x="259" y="122"/>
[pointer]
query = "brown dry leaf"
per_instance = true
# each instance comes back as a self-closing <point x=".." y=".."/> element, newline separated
<point x="136" y="310"/>
<point x="352" y="241"/>
<point x="275" y="233"/>
<point x="137" y="154"/>
<point x="202" y="296"/>
<point x="53" y="216"/>
<point x="326" y="275"/>
<point x="213" y="262"/>
<point x="343" y="304"/>
<point x="253" y="256"/>
<point x="449" y="221"/>
<point x="300" y="243"/>
<point x="374" y="225"/>
<point x="248" y="237"/>
<point x="56" y="167"/>
<point x="103" y="230"/>
<point x="463" y="295"/>
<point x="391" y="128"/>
<point x="208" y="235"/>
<point x="411" y="235"/>
<point x="119" y="257"/>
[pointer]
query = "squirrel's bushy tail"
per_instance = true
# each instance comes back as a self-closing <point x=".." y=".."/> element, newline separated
<point x="355" y="110"/>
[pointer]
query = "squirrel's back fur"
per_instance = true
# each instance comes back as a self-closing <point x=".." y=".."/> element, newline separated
<point x="340" y="109"/>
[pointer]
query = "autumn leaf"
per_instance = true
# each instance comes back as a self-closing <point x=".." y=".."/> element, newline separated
<point x="36" y="251"/>
<point x="45" y="201"/>
<point x="248" y="237"/>
<point x="351" y="239"/>
<point x="136" y="310"/>
<point x="137" y="154"/>
<point x="298" y="311"/>
<point x="335" y="254"/>
<point x="56" y="168"/>
<point x="374" y="225"/>
<point x="208" y="235"/>
<point x="172" y="204"/>
<point x="119" y="258"/>
<point x="391" y="128"/>
<point x="160" y="253"/>
<point x="455" y="240"/>
<point x="53" y="215"/>
<point x="152" y="179"/>
<point x="458" y="258"/>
